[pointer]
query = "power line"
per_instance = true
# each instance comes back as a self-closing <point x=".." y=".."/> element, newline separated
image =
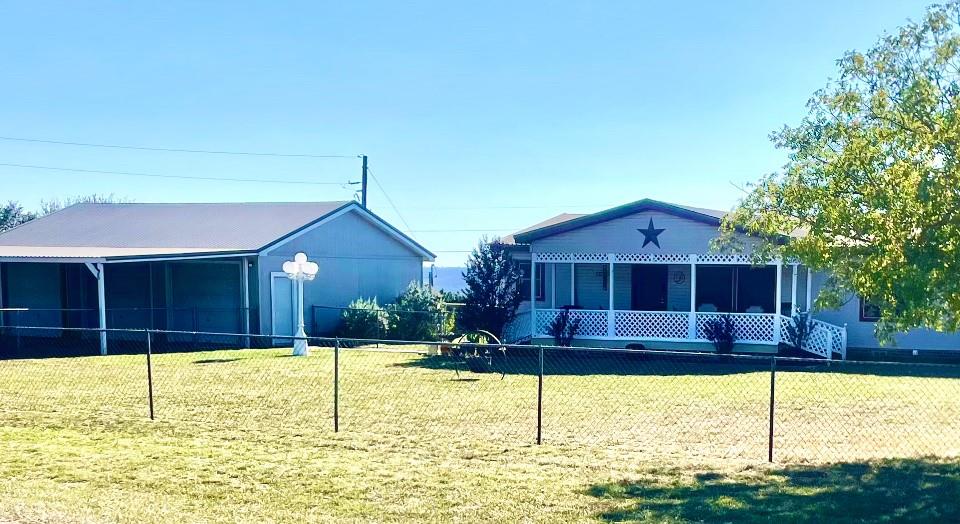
<point x="389" y="200"/>
<point x="180" y="177"/>
<point x="170" y="149"/>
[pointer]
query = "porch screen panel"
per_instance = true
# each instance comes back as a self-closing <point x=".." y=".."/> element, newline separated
<point x="715" y="288"/>
<point x="756" y="289"/>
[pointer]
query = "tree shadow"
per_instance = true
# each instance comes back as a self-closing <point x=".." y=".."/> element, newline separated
<point x="575" y="362"/>
<point x="584" y="363"/>
<point x="215" y="360"/>
<point x="902" y="490"/>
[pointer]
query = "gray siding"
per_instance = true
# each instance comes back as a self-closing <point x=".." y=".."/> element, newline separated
<point x="620" y="235"/>
<point x="678" y="294"/>
<point x="589" y="286"/>
<point x="356" y="258"/>
<point x="860" y="334"/>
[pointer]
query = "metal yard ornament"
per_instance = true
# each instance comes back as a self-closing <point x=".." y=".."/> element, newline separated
<point x="299" y="270"/>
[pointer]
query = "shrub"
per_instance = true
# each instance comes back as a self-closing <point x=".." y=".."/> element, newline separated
<point x="563" y="328"/>
<point x="799" y="330"/>
<point x="722" y="332"/>
<point x="418" y="314"/>
<point x="363" y="318"/>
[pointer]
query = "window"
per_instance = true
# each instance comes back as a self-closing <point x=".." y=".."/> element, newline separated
<point x="868" y="312"/>
<point x="525" y="283"/>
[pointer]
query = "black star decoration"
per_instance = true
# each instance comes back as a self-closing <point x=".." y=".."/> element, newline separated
<point x="650" y="234"/>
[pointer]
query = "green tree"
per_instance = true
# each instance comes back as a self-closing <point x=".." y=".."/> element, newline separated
<point x="493" y="291"/>
<point x="418" y="314"/>
<point x="871" y="189"/>
<point x="12" y="215"/>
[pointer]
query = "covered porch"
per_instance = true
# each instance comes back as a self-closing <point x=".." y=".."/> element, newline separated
<point x="666" y="297"/>
<point x="88" y="297"/>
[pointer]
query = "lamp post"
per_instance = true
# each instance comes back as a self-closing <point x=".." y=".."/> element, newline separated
<point x="299" y="270"/>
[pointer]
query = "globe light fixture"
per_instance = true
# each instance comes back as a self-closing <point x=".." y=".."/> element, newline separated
<point x="300" y="270"/>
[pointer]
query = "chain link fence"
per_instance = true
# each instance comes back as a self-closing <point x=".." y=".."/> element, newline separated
<point x="683" y="404"/>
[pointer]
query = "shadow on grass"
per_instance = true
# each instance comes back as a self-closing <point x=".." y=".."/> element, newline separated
<point x="526" y="362"/>
<point x="582" y="363"/>
<point x="905" y="490"/>
<point x="215" y="360"/>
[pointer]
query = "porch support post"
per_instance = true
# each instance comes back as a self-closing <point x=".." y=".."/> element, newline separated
<point x="245" y="300"/>
<point x="793" y="288"/>
<point x="692" y="329"/>
<point x="776" y="307"/>
<point x="611" y="316"/>
<point x="573" y="289"/>
<point x="1" y="294"/>
<point x="533" y="293"/>
<point x="809" y="289"/>
<point x="102" y="308"/>
<point x="553" y="285"/>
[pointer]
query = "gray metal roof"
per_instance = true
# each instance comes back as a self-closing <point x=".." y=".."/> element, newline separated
<point x="105" y="230"/>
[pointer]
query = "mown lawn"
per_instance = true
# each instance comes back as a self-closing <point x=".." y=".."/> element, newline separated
<point x="248" y="436"/>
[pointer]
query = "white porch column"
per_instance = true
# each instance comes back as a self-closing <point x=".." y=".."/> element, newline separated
<point x="611" y="316"/>
<point x="533" y="294"/>
<point x="553" y="286"/>
<point x="793" y="289"/>
<point x="102" y="308"/>
<point x="245" y="300"/>
<point x="776" y="307"/>
<point x="1" y="294"/>
<point x="692" y="330"/>
<point x="809" y="289"/>
<point x="573" y="289"/>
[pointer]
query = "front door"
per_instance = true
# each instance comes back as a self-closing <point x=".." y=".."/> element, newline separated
<point x="281" y="305"/>
<point x="649" y="287"/>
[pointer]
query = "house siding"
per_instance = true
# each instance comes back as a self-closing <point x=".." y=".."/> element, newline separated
<point x="620" y="235"/>
<point x="356" y="259"/>
<point x="860" y="334"/>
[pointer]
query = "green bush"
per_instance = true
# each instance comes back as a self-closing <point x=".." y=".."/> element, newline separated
<point x="364" y="318"/>
<point x="418" y="314"/>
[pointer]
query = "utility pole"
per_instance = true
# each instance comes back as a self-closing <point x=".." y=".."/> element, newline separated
<point x="363" y="183"/>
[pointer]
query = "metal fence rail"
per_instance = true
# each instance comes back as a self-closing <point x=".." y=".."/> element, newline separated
<point x="695" y="405"/>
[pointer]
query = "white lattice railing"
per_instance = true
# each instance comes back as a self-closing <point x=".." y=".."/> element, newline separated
<point x="593" y="323"/>
<point x="824" y="339"/>
<point x="659" y="325"/>
<point x="749" y="328"/>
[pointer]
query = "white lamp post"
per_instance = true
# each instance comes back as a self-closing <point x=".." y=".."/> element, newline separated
<point x="298" y="270"/>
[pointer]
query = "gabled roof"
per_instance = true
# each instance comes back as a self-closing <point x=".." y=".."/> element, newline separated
<point x="115" y="231"/>
<point x="559" y="219"/>
<point x="568" y="222"/>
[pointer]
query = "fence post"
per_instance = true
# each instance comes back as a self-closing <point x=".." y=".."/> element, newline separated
<point x="540" y="398"/>
<point x="336" y="386"/>
<point x="149" y="373"/>
<point x="773" y="382"/>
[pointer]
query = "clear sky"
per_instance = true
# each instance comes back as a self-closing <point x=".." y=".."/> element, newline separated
<point x="476" y="116"/>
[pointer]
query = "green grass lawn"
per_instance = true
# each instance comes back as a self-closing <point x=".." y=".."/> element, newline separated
<point x="248" y="436"/>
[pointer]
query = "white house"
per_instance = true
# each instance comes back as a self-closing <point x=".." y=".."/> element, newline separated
<point x="645" y="273"/>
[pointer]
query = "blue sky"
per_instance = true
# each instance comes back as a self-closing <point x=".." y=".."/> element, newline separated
<point x="476" y="116"/>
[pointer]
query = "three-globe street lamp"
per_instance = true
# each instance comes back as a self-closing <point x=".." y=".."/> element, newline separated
<point x="299" y="270"/>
